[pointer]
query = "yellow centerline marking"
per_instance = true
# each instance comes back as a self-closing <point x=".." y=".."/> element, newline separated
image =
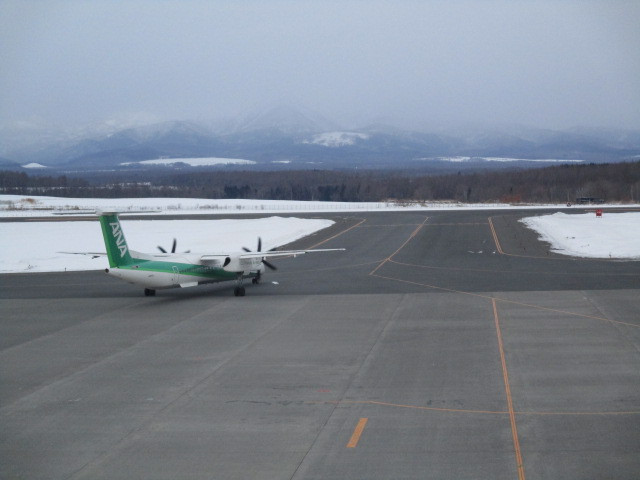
<point x="470" y="411"/>
<point x="337" y="234"/>
<point x="331" y="238"/>
<point x="507" y="387"/>
<point x="357" y="432"/>
<point x="495" y="237"/>
<point x="412" y="407"/>
<point x="413" y="234"/>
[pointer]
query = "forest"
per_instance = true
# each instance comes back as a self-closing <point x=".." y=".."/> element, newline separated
<point x="613" y="182"/>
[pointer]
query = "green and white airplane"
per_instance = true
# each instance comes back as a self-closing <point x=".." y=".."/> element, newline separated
<point x="180" y="270"/>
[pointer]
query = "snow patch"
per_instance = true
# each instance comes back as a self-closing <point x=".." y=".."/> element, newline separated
<point x="193" y="162"/>
<point x="539" y="160"/>
<point x="614" y="235"/>
<point x="336" y="139"/>
<point x="460" y="159"/>
<point x="34" y="165"/>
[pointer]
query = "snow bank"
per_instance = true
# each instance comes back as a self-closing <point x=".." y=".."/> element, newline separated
<point x="35" y="246"/>
<point x="614" y="235"/>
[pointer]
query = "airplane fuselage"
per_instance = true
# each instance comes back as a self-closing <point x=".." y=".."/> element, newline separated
<point x="183" y="271"/>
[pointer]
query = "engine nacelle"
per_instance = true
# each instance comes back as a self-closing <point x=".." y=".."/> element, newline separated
<point x="239" y="264"/>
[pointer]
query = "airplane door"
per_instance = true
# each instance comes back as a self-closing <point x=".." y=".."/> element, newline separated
<point x="176" y="274"/>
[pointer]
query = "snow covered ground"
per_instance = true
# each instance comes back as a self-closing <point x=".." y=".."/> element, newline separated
<point x="22" y="205"/>
<point x="614" y="235"/>
<point x="34" y="246"/>
<point x="194" y="162"/>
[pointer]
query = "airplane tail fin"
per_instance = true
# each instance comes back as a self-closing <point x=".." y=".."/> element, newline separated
<point x="117" y="249"/>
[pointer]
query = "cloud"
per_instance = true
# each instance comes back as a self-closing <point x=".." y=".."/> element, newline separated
<point x="549" y="64"/>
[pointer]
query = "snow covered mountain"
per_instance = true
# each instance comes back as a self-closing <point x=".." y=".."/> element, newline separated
<point x="298" y="138"/>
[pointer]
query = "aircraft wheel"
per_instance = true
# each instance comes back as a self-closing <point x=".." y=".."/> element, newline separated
<point x="149" y="292"/>
<point x="239" y="291"/>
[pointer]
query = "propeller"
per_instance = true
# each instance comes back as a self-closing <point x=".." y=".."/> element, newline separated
<point x="173" y="247"/>
<point x="266" y="264"/>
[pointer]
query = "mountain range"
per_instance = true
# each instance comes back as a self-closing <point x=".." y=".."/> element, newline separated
<point x="285" y="137"/>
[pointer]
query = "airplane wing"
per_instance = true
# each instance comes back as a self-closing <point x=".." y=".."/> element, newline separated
<point x="138" y="255"/>
<point x="268" y="254"/>
<point x="286" y="253"/>
<point x="223" y="259"/>
<point x="92" y="254"/>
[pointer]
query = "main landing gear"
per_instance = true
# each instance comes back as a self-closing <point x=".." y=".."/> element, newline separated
<point x="148" y="292"/>
<point x="239" y="290"/>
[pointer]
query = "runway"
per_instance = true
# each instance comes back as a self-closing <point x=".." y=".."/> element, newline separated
<point x="439" y="345"/>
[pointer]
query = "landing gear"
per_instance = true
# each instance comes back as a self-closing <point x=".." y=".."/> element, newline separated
<point x="148" y="292"/>
<point x="256" y="280"/>
<point x="239" y="290"/>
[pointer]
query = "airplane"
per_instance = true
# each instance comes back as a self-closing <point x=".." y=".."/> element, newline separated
<point x="181" y="270"/>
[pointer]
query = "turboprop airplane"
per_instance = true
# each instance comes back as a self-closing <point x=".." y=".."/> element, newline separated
<point x="175" y="270"/>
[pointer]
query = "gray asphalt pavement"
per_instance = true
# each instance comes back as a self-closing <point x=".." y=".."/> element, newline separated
<point x="439" y="345"/>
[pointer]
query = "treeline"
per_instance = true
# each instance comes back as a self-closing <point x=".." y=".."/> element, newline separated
<point x="615" y="182"/>
<point x="20" y="183"/>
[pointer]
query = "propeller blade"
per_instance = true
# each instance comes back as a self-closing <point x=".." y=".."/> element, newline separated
<point x="161" y="249"/>
<point x="269" y="265"/>
<point x="264" y="262"/>
<point x="173" y="247"/>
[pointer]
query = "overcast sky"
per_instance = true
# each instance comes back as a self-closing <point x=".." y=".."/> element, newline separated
<point x="552" y="64"/>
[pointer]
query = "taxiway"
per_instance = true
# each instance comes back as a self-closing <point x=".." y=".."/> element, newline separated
<point x="439" y="345"/>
